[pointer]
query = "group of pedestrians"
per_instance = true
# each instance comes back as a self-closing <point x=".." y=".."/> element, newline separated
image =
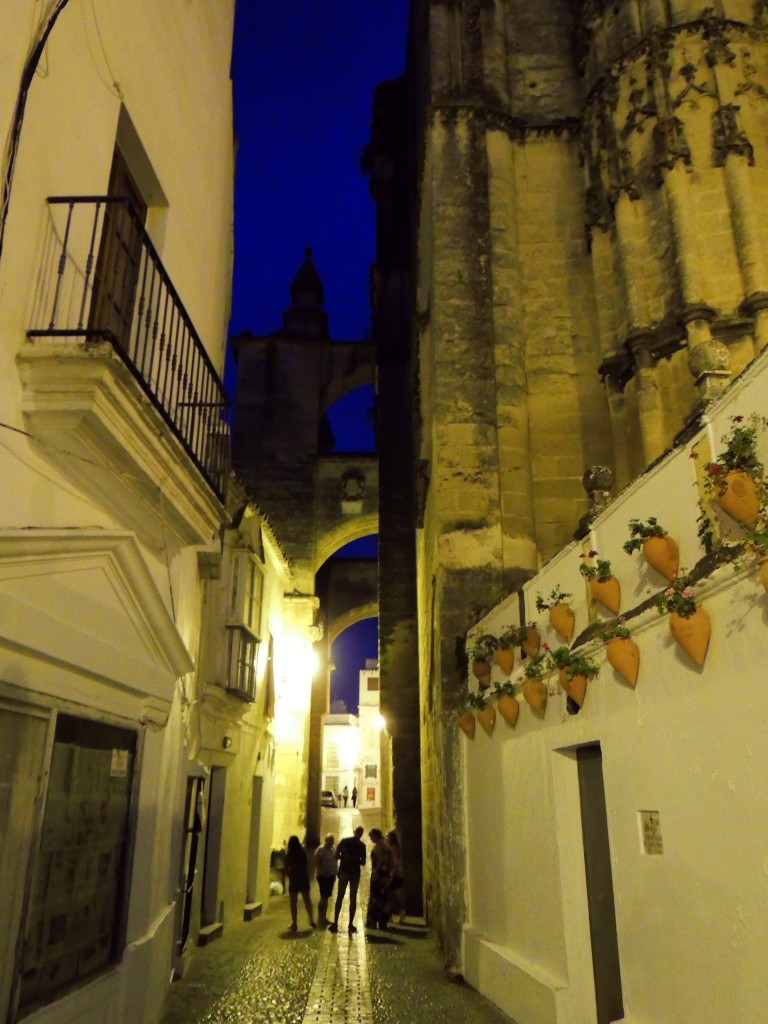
<point x="345" y="862"/>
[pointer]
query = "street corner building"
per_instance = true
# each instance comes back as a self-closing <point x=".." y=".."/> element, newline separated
<point x="142" y="629"/>
<point x="570" y="296"/>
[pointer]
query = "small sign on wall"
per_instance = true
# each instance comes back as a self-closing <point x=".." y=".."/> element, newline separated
<point x="650" y="831"/>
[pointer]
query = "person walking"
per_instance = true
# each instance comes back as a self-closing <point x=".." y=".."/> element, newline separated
<point x="396" y="894"/>
<point x="325" y="873"/>
<point x="345" y="794"/>
<point x="297" y="872"/>
<point x="354" y="796"/>
<point x="350" y="853"/>
<point x="382" y="868"/>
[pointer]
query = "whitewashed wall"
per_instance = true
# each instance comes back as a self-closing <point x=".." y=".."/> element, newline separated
<point x="687" y="742"/>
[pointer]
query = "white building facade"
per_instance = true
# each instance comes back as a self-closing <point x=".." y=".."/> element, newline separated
<point x="115" y="275"/>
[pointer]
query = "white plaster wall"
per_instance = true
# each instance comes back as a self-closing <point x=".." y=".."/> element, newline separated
<point x="170" y="62"/>
<point x="687" y="742"/>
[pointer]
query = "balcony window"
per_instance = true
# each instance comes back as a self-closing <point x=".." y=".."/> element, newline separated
<point x="242" y="649"/>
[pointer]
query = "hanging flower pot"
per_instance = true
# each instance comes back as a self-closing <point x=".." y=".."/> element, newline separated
<point x="481" y="670"/>
<point x="659" y="550"/>
<point x="737" y="494"/>
<point x="603" y="585"/>
<point x="624" y="655"/>
<point x="509" y="708"/>
<point x="486" y="716"/>
<point x="466" y="722"/>
<point x="575" y="686"/>
<point x="532" y="641"/>
<point x="505" y="659"/>
<point x="535" y="694"/>
<point x="562" y="620"/>
<point x="662" y="554"/>
<point x="607" y="592"/>
<point x="692" y="632"/>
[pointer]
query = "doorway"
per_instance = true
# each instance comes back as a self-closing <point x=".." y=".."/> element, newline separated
<point x="253" y="842"/>
<point x="597" y="862"/>
<point x="209" y="908"/>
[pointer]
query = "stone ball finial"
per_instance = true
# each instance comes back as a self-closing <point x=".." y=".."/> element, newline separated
<point x="597" y="478"/>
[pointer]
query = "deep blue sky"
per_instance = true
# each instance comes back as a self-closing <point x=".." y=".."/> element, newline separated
<point x="304" y="74"/>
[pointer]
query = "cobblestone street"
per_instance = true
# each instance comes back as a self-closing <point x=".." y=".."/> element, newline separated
<point x="263" y="974"/>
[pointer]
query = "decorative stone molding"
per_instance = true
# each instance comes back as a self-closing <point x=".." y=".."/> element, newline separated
<point x="491" y="118"/>
<point x="92" y="420"/>
<point x="54" y="584"/>
<point x="670" y="145"/>
<point x="728" y="136"/>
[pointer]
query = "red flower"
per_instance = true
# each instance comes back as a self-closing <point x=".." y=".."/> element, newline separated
<point x="713" y="470"/>
<point x="736" y="419"/>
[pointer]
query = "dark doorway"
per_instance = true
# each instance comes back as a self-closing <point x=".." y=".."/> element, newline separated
<point x="597" y="862"/>
<point x="192" y="828"/>
<point x="213" y="830"/>
<point x="117" y="266"/>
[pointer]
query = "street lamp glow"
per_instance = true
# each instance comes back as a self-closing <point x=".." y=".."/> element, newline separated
<point x="379" y="722"/>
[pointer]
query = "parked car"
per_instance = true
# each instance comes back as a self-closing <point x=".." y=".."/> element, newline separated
<point x="327" y="799"/>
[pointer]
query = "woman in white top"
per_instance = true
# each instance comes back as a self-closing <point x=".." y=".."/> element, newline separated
<point x="325" y="872"/>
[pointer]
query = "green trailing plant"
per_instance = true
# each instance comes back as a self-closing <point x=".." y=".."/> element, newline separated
<point x="481" y="647"/>
<point x="512" y="636"/>
<point x="506" y="689"/>
<point x="478" y="700"/>
<point x="538" y="667"/>
<point x="612" y="630"/>
<point x="678" y="597"/>
<point x="572" y="663"/>
<point x="556" y="596"/>
<point x="739" y="451"/>
<point x="640" y="531"/>
<point x="599" y="569"/>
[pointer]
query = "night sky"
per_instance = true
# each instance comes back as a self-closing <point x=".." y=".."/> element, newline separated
<point x="304" y="75"/>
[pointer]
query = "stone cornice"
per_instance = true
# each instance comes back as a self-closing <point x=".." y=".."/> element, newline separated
<point x="493" y="119"/>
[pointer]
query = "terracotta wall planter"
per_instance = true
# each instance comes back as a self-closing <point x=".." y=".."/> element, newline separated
<point x="466" y="722"/>
<point x="607" y="592"/>
<point x="663" y="555"/>
<point x="692" y="633"/>
<point x="487" y="718"/>
<point x="505" y="659"/>
<point x="535" y="694"/>
<point x="532" y="643"/>
<point x="562" y="620"/>
<point x="737" y="495"/>
<point x="481" y="670"/>
<point x="575" y="687"/>
<point x="509" y="709"/>
<point x="623" y="653"/>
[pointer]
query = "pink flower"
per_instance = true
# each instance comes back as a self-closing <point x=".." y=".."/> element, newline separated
<point x="670" y="592"/>
<point x="687" y="592"/>
<point x="622" y="619"/>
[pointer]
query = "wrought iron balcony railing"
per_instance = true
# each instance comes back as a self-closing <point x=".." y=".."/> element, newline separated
<point x="102" y="279"/>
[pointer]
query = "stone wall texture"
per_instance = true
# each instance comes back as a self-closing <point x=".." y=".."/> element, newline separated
<point x="589" y="272"/>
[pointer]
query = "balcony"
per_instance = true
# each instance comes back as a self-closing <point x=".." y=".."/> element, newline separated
<point x="118" y="388"/>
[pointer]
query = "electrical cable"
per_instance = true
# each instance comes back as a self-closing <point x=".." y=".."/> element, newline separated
<point x="14" y="135"/>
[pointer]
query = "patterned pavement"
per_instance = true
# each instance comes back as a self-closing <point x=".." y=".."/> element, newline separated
<point x="261" y="973"/>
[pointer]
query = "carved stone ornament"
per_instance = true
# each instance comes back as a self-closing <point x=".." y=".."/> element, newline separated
<point x="352" y="485"/>
<point x="710" y="357"/>
<point x="728" y="136"/>
<point x="670" y="144"/>
<point x="718" y="49"/>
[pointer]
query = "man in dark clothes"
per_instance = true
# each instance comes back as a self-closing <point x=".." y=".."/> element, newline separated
<point x="350" y="853"/>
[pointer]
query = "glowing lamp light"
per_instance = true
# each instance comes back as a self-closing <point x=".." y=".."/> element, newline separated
<point x="379" y="722"/>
